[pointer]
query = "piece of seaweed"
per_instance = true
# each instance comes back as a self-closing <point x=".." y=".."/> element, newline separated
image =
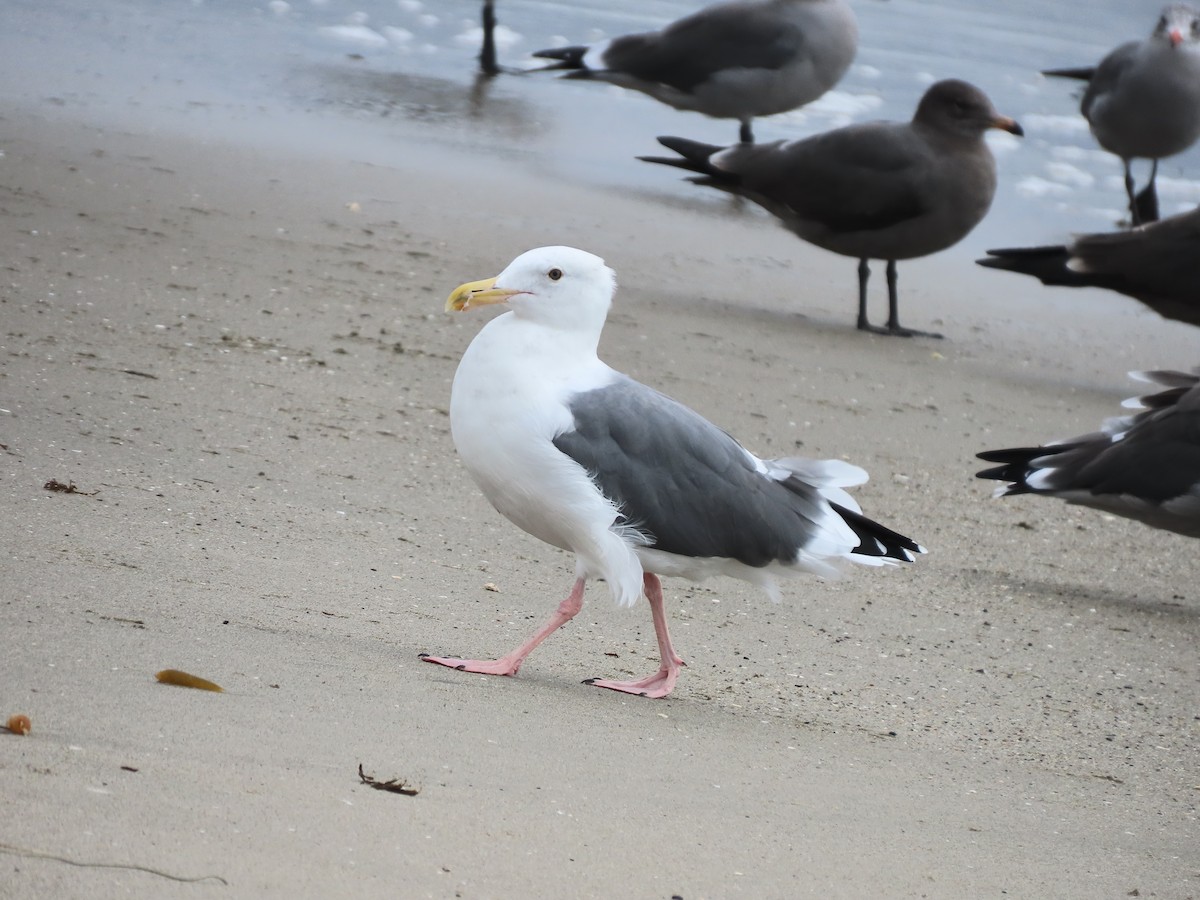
<point x="395" y="786"/>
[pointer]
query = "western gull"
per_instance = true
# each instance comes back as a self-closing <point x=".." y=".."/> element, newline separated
<point x="1144" y="466"/>
<point x="633" y="483"/>
<point x="1157" y="263"/>
<point x="1143" y="100"/>
<point x="734" y="60"/>
<point x="880" y="190"/>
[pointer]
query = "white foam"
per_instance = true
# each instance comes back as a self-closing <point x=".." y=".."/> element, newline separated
<point x="398" y="36"/>
<point x="1068" y="174"/>
<point x="1001" y="141"/>
<point x="1081" y="154"/>
<point x="1180" y="189"/>
<point x="1036" y="186"/>
<point x="505" y="37"/>
<point x="355" y="34"/>
<point x="1040" y="123"/>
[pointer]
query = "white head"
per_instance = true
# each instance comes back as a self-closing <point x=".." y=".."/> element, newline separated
<point x="1179" y="24"/>
<point x="559" y="287"/>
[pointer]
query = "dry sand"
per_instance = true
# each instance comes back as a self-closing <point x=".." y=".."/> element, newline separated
<point x="237" y="354"/>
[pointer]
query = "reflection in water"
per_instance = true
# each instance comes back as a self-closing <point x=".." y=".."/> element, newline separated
<point x="421" y="98"/>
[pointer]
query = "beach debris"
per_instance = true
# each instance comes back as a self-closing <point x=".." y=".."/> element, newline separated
<point x="69" y="488"/>
<point x="19" y="724"/>
<point x="395" y="785"/>
<point x="39" y="854"/>
<point x="183" y="679"/>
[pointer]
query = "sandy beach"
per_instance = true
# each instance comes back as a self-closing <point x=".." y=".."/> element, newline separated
<point x="236" y="353"/>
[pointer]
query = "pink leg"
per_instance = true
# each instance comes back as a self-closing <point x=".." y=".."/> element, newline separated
<point x="510" y="663"/>
<point x="661" y="682"/>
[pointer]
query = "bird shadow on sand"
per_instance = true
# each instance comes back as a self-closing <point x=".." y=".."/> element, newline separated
<point x="1158" y="599"/>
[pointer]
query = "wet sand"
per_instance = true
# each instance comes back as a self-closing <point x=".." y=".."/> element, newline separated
<point x="236" y="353"/>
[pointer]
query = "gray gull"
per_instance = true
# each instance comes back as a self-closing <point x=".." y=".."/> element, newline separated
<point x="735" y="60"/>
<point x="1143" y="99"/>
<point x="880" y="190"/>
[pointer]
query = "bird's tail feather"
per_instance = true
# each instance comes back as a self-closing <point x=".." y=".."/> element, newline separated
<point x="565" y="57"/>
<point x="693" y="155"/>
<point x="1080" y="73"/>
<point x="1050" y="265"/>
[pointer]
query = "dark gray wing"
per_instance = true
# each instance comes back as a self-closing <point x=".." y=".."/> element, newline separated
<point x="860" y="178"/>
<point x="684" y="483"/>
<point x="691" y="50"/>
<point x="1158" y="264"/>
<point x="1155" y="459"/>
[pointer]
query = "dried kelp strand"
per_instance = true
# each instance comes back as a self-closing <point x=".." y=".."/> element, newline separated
<point x="183" y="679"/>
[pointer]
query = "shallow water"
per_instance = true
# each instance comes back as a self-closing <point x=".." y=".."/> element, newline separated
<point x="363" y="78"/>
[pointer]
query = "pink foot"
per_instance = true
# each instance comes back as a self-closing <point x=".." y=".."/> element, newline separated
<point x="501" y="666"/>
<point x="510" y="663"/>
<point x="661" y="682"/>
<point x="654" y="686"/>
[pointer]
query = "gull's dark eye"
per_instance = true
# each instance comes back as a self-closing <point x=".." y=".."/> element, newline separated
<point x="555" y="274"/>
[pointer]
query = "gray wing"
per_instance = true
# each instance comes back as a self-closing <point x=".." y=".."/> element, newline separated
<point x="1108" y="74"/>
<point x="860" y="178"/>
<point x="689" y="487"/>
<point x="690" y="51"/>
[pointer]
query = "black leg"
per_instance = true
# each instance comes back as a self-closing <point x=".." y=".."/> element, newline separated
<point x="893" y="326"/>
<point x="745" y="133"/>
<point x="864" y="272"/>
<point x="1131" y="193"/>
<point x="1145" y="204"/>
<point x="487" y="56"/>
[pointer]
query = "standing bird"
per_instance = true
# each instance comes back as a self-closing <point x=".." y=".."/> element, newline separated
<point x="733" y="60"/>
<point x="633" y="483"/>
<point x="1144" y="466"/>
<point x="1143" y="100"/>
<point x="1158" y="264"/>
<point x="881" y="190"/>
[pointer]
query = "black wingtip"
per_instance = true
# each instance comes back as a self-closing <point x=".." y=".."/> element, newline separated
<point x="1016" y="465"/>
<point x="878" y="540"/>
